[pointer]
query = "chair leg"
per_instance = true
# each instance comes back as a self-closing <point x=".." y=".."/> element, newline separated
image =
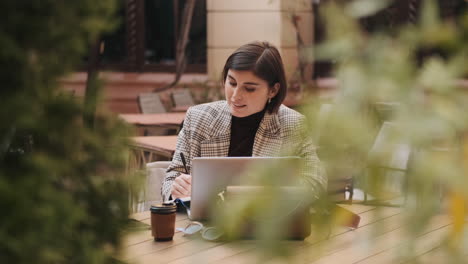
<point x="351" y="192"/>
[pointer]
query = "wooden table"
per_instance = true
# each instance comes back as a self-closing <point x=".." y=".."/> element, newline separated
<point x="343" y="246"/>
<point x="148" y="149"/>
<point x="180" y="108"/>
<point x="161" y="120"/>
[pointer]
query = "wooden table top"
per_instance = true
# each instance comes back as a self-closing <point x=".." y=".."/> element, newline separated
<point x="160" y="144"/>
<point x="343" y="246"/>
<point x="154" y="119"/>
<point x="180" y="108"/>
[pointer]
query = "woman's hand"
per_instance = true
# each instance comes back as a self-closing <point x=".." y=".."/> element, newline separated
<point x="182" y="186"/>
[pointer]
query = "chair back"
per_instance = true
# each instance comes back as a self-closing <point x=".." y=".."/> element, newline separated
<point x="386" y="110"/>
<point x="155" y="174"/>
<point x="389" y="159"/>
<point x="182" y="98"/>
<point x="390" y="152"/>
<point x="340" y="187"/>
<point x="150" y="103"/>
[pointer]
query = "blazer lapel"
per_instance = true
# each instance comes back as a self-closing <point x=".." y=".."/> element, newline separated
<point x="218" y="144"/>
<point x="268" y="140"/>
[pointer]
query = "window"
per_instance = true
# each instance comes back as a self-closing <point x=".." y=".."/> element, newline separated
<point x="114" y="51"/>
<point x="147" y="36"/>
<point x="398" y="13"/>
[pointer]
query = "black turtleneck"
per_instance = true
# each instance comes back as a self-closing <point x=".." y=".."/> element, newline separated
<point x="243" y="130"/>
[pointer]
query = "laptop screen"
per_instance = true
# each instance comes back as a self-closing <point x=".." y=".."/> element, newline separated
<point x="211" y="175"/>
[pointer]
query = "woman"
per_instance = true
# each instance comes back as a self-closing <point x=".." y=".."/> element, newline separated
<point x="250" y="122"/>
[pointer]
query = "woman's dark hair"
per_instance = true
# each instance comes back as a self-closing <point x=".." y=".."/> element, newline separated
<point x="264" y="60"/>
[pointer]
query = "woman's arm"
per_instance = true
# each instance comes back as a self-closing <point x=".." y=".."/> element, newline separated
<point x="177" y="167"/>
<point x="314" y="174"/>
<point x="301" y="144"/>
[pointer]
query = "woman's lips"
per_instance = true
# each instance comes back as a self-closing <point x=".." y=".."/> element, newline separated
<point x="238" y="105"/>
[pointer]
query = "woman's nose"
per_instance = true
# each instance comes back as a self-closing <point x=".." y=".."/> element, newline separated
<point x="236" y="94"/>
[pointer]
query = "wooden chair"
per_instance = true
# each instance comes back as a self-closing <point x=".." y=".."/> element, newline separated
<point x="342" y="188"/>
<point x="155" y="174"/>
<point x="385" y="110"/>
<point x="150" y="103"/>
<point x="182" y="98"/>
<point x="388" y="162"/>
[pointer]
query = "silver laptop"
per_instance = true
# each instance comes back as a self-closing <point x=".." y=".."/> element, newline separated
<point x="211" y="175"/>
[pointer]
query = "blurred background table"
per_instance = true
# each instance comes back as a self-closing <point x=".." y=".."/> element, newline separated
<point x="180" y="108"/>
<point x="160" y="120"/>
<point x="152" y="148"/>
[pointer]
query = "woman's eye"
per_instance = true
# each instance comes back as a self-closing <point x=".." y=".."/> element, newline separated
<point x="232" y="84"/>
<point x="250" y="89"/>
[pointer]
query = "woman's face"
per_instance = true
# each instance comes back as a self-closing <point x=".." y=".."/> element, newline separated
<point x="246" y="93"/>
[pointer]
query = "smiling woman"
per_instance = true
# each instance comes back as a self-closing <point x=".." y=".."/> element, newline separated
<point x="260" y="69"/>
<point x="251" y="121"/>
<point x="247" y="94"/>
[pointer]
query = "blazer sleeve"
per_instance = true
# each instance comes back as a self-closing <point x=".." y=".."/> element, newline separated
<point x="300" y="144"/>
<point x="314" y="174"/>
<point x="176" y="167"/>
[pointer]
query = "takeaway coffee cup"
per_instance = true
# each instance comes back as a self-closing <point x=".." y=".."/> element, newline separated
<point x="163" y="221"/>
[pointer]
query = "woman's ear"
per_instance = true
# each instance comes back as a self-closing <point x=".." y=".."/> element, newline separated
<point x="274" y="90"/>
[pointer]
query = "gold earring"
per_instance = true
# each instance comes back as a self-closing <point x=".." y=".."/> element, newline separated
<point x="269" y="100"/>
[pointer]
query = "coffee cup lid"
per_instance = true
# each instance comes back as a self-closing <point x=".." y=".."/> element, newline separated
<point x="165" y="208"/>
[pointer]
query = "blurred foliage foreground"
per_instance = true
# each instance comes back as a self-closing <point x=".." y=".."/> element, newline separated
<point x="62" y="192"/>
<point x="408" y="76"/>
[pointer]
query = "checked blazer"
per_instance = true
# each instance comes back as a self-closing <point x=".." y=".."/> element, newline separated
<point x="207" y="132"/>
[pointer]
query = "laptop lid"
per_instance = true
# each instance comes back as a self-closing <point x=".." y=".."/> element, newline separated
<point x="211" y="175"/>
